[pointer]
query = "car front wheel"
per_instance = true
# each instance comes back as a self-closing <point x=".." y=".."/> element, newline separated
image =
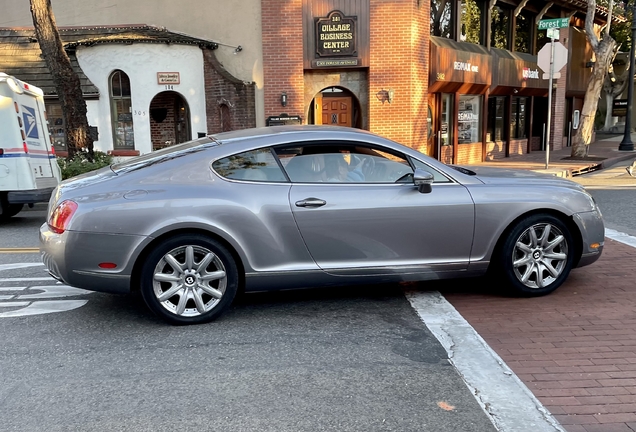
<point x="189" y="279"/>
<point x="537" y="255"/>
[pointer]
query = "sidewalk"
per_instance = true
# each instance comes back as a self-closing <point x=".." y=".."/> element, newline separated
<point x="603" y="153"/>
<point x="576" y="348"/>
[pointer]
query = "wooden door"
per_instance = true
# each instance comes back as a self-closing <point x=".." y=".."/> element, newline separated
<point x="336" y="111"/>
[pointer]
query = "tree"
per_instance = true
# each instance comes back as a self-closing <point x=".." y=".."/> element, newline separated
<point x="604" y="50"/>
<point x="613" y="86"/>
<point x="66" y="81"/>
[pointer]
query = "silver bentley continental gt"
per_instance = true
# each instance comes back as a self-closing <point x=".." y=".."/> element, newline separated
<point x="283" y="207"/>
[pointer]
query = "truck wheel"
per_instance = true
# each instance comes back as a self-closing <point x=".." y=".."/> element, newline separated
<point x="8" y="210"/>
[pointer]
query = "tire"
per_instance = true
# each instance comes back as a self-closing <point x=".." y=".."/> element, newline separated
<point x="8" y="210"/>
<point x="187" y="293"/>
<point x="537" y="255"/>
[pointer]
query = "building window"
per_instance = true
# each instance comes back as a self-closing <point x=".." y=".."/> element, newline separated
<point x="441" y="18"/>
<point x="518" y="117"/>
<point x="469" y="119"/>
<point x="57" y="125"/>
<point x="500" y="27"/>
<point x="496" y="110"/>
<point x="523" y="33"/>
<point x="121" y="108"/>
<point x="471" y="21"/>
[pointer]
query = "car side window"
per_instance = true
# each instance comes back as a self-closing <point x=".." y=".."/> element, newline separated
<point x="255" y="165"/>
<point x="342" y="163"/>
<point x="438" y="177"/>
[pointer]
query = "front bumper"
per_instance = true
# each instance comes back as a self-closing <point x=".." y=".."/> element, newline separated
<point x="592" y="230"/>
<point x="74" y="257"/>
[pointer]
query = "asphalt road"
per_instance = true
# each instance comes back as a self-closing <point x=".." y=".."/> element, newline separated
<point x="615" y="192"/>
<point x="347" y="359"/>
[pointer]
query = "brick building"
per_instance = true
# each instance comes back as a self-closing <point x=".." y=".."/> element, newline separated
<point x="456" y="79"/>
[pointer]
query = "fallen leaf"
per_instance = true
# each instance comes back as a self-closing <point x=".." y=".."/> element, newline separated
<point x="445" y="406"/>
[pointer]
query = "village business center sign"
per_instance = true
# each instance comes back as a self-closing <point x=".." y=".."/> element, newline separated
<point x="335" y="40"/>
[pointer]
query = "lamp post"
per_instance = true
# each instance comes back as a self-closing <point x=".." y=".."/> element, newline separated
<point x="627" y="144"/>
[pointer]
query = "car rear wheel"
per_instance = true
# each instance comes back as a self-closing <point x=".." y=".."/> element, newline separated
<point x="189" y="279"/>
<point x="537" y="255"/>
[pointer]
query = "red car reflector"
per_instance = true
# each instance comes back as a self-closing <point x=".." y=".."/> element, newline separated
<point x="24" y="146"/>
<point x="61" y="216"/>
<point x="107" y="265"/>
<point x="1" y="152"/>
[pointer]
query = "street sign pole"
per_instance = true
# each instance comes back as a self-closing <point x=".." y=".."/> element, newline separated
<point x="547" y="139"/>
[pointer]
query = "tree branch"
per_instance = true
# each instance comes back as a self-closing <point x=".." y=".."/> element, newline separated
<point x="589" y="25"/>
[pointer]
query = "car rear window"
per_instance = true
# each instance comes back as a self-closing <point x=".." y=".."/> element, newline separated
<point x="164" y="154"/>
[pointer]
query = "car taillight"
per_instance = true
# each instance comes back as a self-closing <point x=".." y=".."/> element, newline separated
<point x="61" y="216"/>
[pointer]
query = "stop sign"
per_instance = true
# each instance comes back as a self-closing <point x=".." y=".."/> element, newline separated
<point x="560" y="57"/>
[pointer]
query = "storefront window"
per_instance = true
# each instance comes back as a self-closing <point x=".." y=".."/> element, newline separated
<point x="523" y="34"/>
<point x="56" y="125"/>
<point x="471" y="21"/>
<point x="121" y="106"/>
<point x="469" y="119"/>
<point x="496" y="110"/>
<point x="500" y="27"/>
<point x="441" y="18"/>
<point x="518" y="117"/>
<point x="446" y="132"/>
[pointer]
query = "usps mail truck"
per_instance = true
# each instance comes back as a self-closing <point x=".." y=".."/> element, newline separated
<point x="28" y="169"/>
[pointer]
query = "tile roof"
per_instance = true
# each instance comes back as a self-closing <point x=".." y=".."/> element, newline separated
<point x="20" y="53"/>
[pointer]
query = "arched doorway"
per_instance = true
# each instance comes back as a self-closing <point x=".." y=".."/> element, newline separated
<point x="335" y="106"/>
<point x="169" y="120"/>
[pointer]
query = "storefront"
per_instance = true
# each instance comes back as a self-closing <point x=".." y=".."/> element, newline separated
<point x="517" y="104"/>
<point x="459" y="81"/>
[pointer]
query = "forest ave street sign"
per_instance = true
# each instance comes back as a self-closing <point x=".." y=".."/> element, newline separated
<point x="560" y="59"/>
<point x="554" y="23"/>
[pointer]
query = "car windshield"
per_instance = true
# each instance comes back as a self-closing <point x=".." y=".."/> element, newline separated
<point x="164" y="154"/>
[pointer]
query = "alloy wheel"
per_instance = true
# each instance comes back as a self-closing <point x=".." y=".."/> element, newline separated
<point x="189" y="281"/>
<point x="540" y="255"/>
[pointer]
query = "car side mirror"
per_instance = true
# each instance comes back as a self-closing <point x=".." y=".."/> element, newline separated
<point x="423" y="180"/>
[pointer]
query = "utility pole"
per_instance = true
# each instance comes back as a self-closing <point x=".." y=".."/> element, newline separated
<point x="627" y="144"/>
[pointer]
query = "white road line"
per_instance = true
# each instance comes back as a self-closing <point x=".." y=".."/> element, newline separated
<point x="31" y="279"/>
<point x="507" y="401"/>
<point x="19" y="266"/>
<point x="620" y="237"/>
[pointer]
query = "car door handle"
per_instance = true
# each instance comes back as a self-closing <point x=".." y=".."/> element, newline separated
<point x="311" y="202"/>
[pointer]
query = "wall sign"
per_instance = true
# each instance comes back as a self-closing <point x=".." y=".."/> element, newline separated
<point x="336" y="35"/>
<point x="530" y="74"/>
<point x="619" y="108"/>
<point x="283" y="119"/>
<point x="168" y="78"/>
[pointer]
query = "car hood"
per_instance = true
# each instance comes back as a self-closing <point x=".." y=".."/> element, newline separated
<point x="502" y="176"/>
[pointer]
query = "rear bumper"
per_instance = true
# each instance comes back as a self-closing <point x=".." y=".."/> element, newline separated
<point x="74" y="257"/>
<point x="30" y="196"/>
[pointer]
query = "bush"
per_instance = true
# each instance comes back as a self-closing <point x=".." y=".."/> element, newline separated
<point x="80" y="163"/>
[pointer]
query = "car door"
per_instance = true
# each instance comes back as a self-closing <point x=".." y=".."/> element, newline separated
<point x="381" y="222"/>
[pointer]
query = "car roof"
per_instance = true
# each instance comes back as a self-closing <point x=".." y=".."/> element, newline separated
<point x="296" y="130"/>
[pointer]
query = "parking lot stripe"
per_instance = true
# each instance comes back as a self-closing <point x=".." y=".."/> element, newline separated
<point x="510" y="405"/>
